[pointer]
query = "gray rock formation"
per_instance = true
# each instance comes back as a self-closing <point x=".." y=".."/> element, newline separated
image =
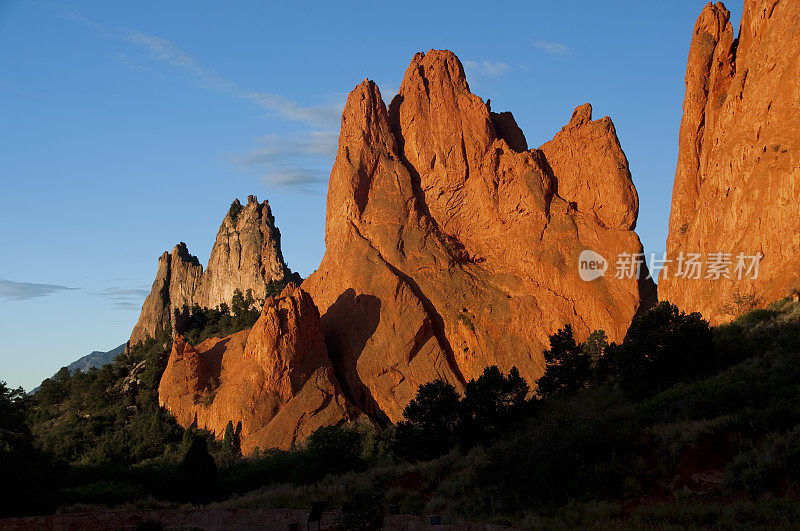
<point x="246" y="256"/>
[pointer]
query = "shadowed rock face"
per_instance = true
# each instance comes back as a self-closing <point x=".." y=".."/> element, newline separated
<point x="246" y="256"/>
<point x="276" y="379"/>
<point x="177" y="279"/>
<point x="451" y="247"/>
<point x="737" y="183"/>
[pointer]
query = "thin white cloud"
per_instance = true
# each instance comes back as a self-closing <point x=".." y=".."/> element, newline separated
<point x="552" y="48"/>
<point x="318" y="116"/>
<point x="486" y="68"/>
<point x="168" y="53"/>
<point x="296" y="160"/>
<point x="127" y="306"/>
<point x="115" y="292"/>
<point x="23" y="291"/>
<point x="74" y="16"/>
<point x="171" y="54"/>
<point x="299" y="161"/>
<point x="295" y="177"/>
<point x="273" y="147"/>
<point x="124" y="298"/>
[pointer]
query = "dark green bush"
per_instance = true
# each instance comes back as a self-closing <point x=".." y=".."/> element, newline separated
<point x="329" y="450"/>
<point x="431" y="421"/>
<point x="575" y="449"/>
<point x="235" y="210"/>
<point x="203" y="323"/>
<point x="490" y="404"/>
<point x="198" y="473"/>
<point x="662" y="347"/>
<point x="568" y="368"/>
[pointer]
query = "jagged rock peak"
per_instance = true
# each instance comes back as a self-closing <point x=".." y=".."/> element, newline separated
<point x="275" y="379"/>
<point x="177" y="278"/>
<point x="181" y="251"/>
<point x="591" y="170"/>
<point x="246" y="256"/>
<point x="506" y="127"/>
<point x="735" y="189"/>
<point x="450" y="246"/>
<point x="581" y="115"/>
<point x="444" y="63"/>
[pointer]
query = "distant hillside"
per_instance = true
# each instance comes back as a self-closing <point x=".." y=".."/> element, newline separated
<point x="95" y="359"/>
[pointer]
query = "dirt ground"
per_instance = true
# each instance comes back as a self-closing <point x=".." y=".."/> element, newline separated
<point x="214" y="519"/>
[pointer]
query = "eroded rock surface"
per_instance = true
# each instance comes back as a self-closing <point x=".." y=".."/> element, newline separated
<point x="246" y="256"/>
<point x="276" y="379"/>
<point x="177" y="278"/>
<point x="737" y="183"/>
<point x="450" y="246"/>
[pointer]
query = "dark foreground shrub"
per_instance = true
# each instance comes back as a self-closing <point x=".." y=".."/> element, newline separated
<point x="663" y="346"/>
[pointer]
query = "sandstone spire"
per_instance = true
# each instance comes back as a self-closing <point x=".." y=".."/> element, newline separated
<point x="177" y="278"/>
<point x="246" y="256"/>
<point x="449" y="245"/>
<point x="736" y="184"/>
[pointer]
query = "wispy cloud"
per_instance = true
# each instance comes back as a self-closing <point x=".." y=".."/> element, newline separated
<point x="317" y="116"/>
<point x="74" y="16"/>
<point x="296" y="177"/>
<point x="486" y="68"/>
<point x="115" y="292"/>
<point x="552" y="48"/>
<point x="298" y="160"/>
<point x="124" y="298"/>
<point x="273" y="147"/>
<point x="169" y="53"/>
<point x="23" y="291"/>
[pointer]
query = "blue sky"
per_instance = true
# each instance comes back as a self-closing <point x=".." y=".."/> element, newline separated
<point x="130" y="126"/>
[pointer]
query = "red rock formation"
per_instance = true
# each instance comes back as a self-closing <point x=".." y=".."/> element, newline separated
<point x="450" y="246"/>
<point x="592" y="171"/>
<point x="246" y="256"/>
<point x="275" y="379"/>
<point x="737" y="183"/>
